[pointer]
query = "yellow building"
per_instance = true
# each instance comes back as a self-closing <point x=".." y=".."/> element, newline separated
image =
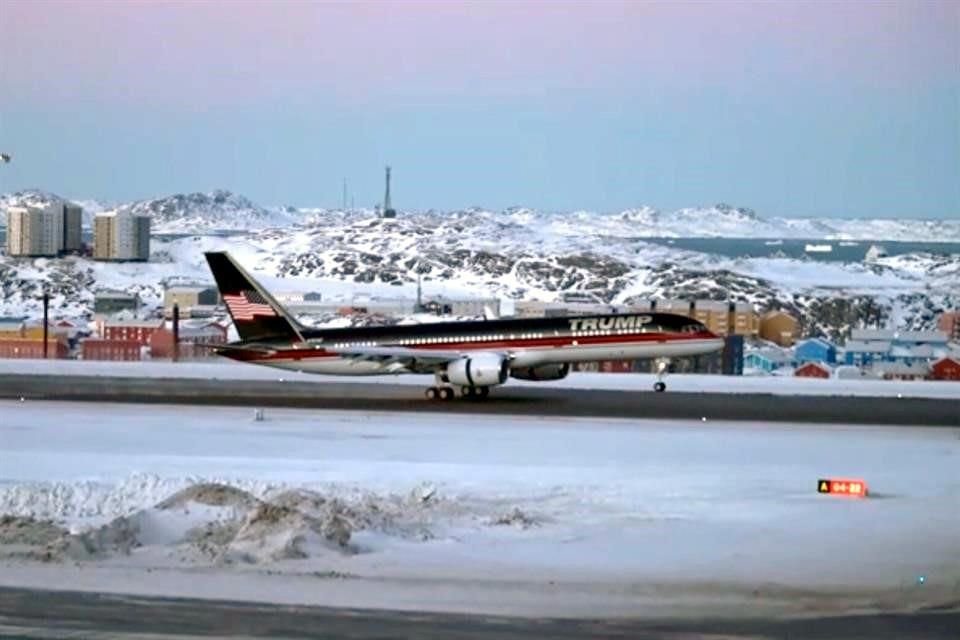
<point x="715" y="315"/>
<point x="744" y="319"/>
<point x="779" y="327"/>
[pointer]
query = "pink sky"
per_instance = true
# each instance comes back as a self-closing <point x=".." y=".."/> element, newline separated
<point x="185" y="53"/>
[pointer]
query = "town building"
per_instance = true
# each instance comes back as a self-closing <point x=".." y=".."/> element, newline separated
<point x="109" y="302"/>
<point x="900" y="338"/>
<point x="744" y="319"/>
<point x="901" y="371"/>
<point x="946" y="369"/>
<point x="11" y="327"/>
<point x="114" y="350"/>
<point x="949" y="324"/>
<point x="849" y="372"/>
<point x="468" y="307"/>
<point x="815" y="350"/>
<point x="813" y="370"/>
<point x="715" y="315"/>
<point x="18" y="340"/>
<point x="605" y="366"/>
<point x="72" y="228"/>
<point x="768" y="359"/>
<point x="35" y="230"/>
<point x="121" y="236"/>
<point x="779" y="327"/>
<point x="30" y="345"/>
<point x="194" y="341"/>
<point x="188" y="298"/>
<point x="139" y="331"/>
<point x="864" y="353"/>
<point x="868" y="346"/>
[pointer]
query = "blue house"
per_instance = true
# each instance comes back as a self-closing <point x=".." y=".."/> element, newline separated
<point x="815" y="350"/>
<point x="767" y="360"/>
<point x="862" y="354"/>
<point x="868" y="346"/>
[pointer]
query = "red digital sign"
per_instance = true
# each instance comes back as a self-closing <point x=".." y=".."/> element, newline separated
<point x="842" y="487"/>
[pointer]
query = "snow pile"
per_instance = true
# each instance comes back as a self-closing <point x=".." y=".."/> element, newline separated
<point x="205" y="522"/>
<point x="95" y="501"/>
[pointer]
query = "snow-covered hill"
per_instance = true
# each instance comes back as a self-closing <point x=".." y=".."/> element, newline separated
<point x="517" y="253"/>
<point x="215" y="211"/>
<point x="180" y="213"/>
<point x="222" y="210"/>
<point x="469" y="254"/>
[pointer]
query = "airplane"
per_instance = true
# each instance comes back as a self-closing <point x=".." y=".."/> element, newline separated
<point x="472" y="355"/>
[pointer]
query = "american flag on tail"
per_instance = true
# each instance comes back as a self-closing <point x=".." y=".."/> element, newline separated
<point x="247" y="304"/>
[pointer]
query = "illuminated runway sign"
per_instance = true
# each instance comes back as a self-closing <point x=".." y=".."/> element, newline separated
<point x="842" y="486"/>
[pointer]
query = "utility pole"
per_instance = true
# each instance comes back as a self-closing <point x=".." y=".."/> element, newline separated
<point x="46" y="322"/>
<point x="176" y="332"/>
<point x="344" y="194"/>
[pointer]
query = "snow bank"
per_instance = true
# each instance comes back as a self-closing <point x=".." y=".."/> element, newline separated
<point x="206" y="521"/>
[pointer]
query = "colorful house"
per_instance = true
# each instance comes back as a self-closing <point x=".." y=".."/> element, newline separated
<point x="813" y="370"/>
<point x="815" y="350"/>
<point x="769" y="360"/>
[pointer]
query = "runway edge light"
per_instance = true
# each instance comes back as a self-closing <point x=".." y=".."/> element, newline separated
<point x="842" y="487"/>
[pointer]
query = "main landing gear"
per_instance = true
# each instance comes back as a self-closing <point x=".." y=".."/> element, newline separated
<point x="662" y="365"/>
<point x="475" y="392"/>
<point x="443" y="391"/>
<point x="439" y="393"/>
<point x="447" y="393"/>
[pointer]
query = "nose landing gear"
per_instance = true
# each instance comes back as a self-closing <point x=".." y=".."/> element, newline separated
<point x="663" y="364"/>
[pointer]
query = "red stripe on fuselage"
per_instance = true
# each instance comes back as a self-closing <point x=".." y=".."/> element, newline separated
<point x="491" y="345"/>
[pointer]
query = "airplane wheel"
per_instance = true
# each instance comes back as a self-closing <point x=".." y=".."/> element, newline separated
<point x="482" y="392"/>
<point x="432" y="393"/>
<point x="660" y="387"/>
<point x="446" y="393"/>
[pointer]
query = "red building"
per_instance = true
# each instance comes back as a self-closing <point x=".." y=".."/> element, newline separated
<point x="33" y="347"/>
<point x="192" y="339"/>
<point x="138" y="331"/>
<point x="945" y="369"/>
<point x="95" y="349"/>
<point x="606" y="366"/>
<point x="812" y="370"/>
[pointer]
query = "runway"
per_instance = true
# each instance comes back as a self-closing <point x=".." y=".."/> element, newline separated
<point x="735" y="541"/>
<point x="506" y="400"/>
<point x="27" y="613"/>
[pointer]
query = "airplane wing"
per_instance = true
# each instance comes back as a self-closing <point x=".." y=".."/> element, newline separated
<point x="416" y="360"/>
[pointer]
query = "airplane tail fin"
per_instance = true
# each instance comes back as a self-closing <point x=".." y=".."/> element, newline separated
<point x="256" y="315"/>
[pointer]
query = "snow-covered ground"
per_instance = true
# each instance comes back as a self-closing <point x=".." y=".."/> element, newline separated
<point x="463" y="512"/>
<point x="223" y="369"/>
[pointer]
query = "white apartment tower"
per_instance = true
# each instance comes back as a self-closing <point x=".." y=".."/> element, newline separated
<point x="35" y="230"/>
<point x="121" y="235"/>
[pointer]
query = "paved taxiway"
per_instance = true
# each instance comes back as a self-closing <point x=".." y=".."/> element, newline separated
<point x="505" y="400"/>
<point x="27" y="613"/>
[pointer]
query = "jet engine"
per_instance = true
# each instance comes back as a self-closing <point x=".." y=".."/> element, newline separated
<point x="482" y="370"/>
<point x="543" y="372"/>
